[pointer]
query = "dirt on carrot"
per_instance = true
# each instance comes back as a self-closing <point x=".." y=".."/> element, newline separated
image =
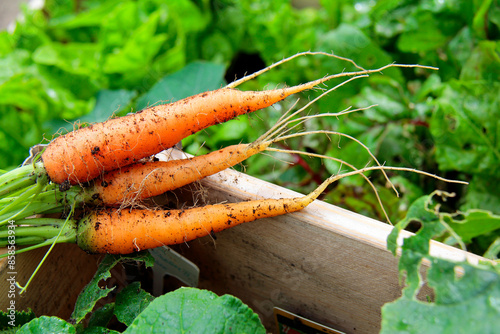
<point x="84" y="154"/>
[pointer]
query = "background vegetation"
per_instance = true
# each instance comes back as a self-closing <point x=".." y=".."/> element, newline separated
<point x="86" y="60"/>
<point x="76" y="61"/>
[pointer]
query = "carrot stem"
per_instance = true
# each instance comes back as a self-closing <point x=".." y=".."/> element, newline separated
<point x="20" y="178"/>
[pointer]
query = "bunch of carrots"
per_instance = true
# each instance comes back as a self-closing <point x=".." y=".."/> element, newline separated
<point x="105" y="170"/>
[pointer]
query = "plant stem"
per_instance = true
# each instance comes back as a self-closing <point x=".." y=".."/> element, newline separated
<point x="39" y="232"/>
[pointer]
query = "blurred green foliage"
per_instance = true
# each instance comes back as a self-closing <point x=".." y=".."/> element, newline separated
<point x="79" y="61"/>
<point x="88" y="60"/>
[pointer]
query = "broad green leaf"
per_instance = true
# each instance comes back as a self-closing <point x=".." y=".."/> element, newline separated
<point x="480" y="313"/>
<point x="493" y="252"/>
<point x="276" y="29"/>
<point x="479" y="22"/>
<point x="134" y="55"/>
<point x="423" y="34"/>
<point x="217" y="48"/>
<point x="24" y="106"/>
<point x="467" y="297"/>
<point x="387" y="17"/>
<point x="92" y="293"/>
<point x="102" y="316"/>
<point x="465" y="127"/>
<point x="91" y="17"/>
<point x="45" y="325"/>
<point x="482" y="193"/>
<point x="6" y="43"/>
<point x="473" y="223"/>
<point x="109" y="103"/>
<point x="130" y="302"/>
<point x="188" y="14"/>
<point x="387" y="107"/>
<point x="98" y="330"/>
<point x="119" y="23"/>
<point x="189" y="310"/>
<point x="460" y="46"/>
<point x="461" y="282"/>
<point x="334" y="11"/>
<point x="483" y="63"/>
<point x="76" y="58"/>
<point x="16" y="62"/>
<point x="197" y="77"/>
<point x="350" y="42"/>
<point x="417" y="247"/>
<point x="16" y="319"/>
<point x="229" y="23"/>
<point x="494" y="16"/>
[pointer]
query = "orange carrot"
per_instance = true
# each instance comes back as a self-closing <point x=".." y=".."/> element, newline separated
<point x="135" y="182"/>
<point x="125" y="231"/>
<point x="122" y="231"/>
<point x="143" y="180"/>
<point x="86" y="153"/>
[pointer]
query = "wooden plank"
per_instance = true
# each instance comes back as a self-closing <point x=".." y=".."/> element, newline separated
<point x="324" y="263"/>
<point x="57" y="284"/>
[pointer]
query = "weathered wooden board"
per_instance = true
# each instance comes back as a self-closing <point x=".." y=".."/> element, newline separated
<point x="54" y="289"/>
<point x="325" y="263"/>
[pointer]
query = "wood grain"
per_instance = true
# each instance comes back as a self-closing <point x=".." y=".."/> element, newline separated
<point x="57" y="284"/>
<point x="325" y="263"/>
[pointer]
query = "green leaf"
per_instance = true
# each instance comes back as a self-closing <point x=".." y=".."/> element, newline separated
<point x="46" y="324"/>
<point x="189" y="310"/>
<point x="388" y="108"/>
<point x="197" y="77"/>
<point x="133" y="56"/>
<point x="482" y="193"/>
<point x="351" y="42"/>
<point x="130" y="302"/>
<point x="76" y="58"/>
<point x="416" y="247"/>
<point x="423" y="34"/>
<point x="14" y="63"/>
<point x="483" y="63"/>
<point x="102" y="316"/>
<point x="276" y="29"/>
<point x="479" y="313"/>
<point x="108" y="104"/>
<point x="92" y="17"/>
<point x="479" y="22"/>
<point x="6" y="43"/>
<point x="92" y="293"/>
<point x="465" y="127"/>
<point x="467" y="297"/>
<point x="16" y="318"/>
<point x="98" y="330"/>
<point x="493" y="250"/>
<point x="473" y="223"/>
<point x="460" y="46"/>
